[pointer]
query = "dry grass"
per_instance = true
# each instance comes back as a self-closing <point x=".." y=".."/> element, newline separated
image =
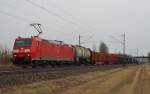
<point x="55" y="86"/>
<point x="7" y="66"/>
<point x="109" y="84"/>
<point x="115" y="81"/>
<point x="143" y="86"/>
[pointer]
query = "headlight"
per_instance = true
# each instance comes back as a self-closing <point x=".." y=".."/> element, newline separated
<point x="15" y="51"/>
<point x="15" y="55"/>
<point x="27" y="50"/>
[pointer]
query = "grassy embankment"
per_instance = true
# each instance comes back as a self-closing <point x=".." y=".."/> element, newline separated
<point x="69" y="85"/>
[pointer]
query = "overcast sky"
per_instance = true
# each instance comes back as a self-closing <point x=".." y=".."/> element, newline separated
<point x="94" y="20"/>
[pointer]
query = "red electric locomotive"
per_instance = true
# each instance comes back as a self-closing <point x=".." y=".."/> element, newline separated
<point x="36" y="51"/>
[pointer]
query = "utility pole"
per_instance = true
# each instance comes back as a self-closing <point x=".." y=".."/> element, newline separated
<point x="79" y="40"/>
<point x="137" y="52"/>
<point x="85" y="40"/>
<point x="124" y="44"/>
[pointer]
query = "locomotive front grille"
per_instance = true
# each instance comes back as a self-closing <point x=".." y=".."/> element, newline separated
<point x="22" y="61"/>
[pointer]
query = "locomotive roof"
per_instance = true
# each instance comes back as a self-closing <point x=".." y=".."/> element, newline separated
<point x="44" y="40"/>
<point x="56" y="42"/>
<point x="53" y="41"/>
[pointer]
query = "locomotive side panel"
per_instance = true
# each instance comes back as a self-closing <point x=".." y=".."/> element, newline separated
<point x="56" y="52"/>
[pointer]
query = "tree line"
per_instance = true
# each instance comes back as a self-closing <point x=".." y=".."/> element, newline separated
<point x="103" y="48"/>
<point x="5" y="54"/>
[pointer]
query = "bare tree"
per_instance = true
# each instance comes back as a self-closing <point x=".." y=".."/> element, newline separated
<point x="103" y="48"/>
<point x="5" y="54"/>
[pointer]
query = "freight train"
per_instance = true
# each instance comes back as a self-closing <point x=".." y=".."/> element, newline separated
<point x="36" y="51"/>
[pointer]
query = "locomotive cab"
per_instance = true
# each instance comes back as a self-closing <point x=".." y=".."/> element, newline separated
<point x="22" y="50"/>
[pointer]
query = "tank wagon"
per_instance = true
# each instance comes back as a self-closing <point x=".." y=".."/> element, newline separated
<point x="82" y="55"/>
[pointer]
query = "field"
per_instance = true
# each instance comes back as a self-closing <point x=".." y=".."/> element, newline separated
<point x="121" y="80"/>
<point x="7" y="66"/>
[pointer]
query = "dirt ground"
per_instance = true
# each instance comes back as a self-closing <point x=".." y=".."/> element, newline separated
<point x="133" y="80"/>
<point x="124" y="80"/>
<point x="7" y="66"/>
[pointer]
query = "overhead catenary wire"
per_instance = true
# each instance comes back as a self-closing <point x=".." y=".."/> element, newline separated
<point x="16" y="8"/>
<point x="123" y="42"/>
<point x="15" y="16"/>
<point x="55" y="14"/>
<point x="25" y="19"/>
<point x="72" y="17"/>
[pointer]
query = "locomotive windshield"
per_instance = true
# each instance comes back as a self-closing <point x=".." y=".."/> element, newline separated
<point x="23" y="43"/>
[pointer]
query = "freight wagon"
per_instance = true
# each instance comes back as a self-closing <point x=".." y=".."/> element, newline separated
<point x="112" y="59"/>
<point x="104" y="58"/>
<point x="82" y="55"/>
<point x="99" y="58"/>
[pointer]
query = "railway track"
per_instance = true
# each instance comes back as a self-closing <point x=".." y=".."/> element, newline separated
<point x="13" y="77"/>
<point x="48" y="69"/>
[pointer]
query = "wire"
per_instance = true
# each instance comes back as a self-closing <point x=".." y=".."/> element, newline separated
<point x="88" y="27"/>
<point x="54" y="13"/>
<point x="72" y="17"/>
<point x="12" y="6"/>
<point x="116" y="40"/>
<point x="43" y="8"/>
<point x="20" y="18"/>
<point x="14" y="16"/>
